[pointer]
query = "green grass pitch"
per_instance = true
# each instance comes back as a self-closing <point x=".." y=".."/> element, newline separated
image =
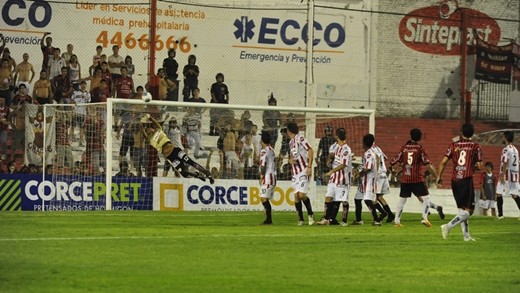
<point x="230" y="252"/>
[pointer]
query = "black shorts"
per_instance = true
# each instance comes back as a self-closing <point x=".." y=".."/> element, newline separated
<point x="418" y="189"/>
<point x="179" y="160"/>
<point x="464" y="193"/>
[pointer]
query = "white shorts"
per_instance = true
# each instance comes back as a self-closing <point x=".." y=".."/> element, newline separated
<point x="337" y="192"/>
<point x="487" y="204"/>
<point x="382" y="185"/>
<point x="300" y="183"/>
<point x="508" y="188"/>
<point x="266" y="191"/>
<point x="359" y="195"/>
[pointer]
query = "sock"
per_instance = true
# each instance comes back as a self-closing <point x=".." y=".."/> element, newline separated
<point x="267" y="207"/>
<point x="381" y="210"/>
<point x="517" y="200"/>
<point x="328" y="210"/>
<point x="399" y="211"/>
<point x="307" y="203"/>
<point x="370" y="206"/>
<point x="344" y="216"/>
<point x="425" y="207"/>
<point x="433" y="205"/>
<point x="299" y="209"/>
<point x="387" y="209"/>
<point x="359" y="208"/>
<point x="500" y="205"/>
<point x="461" y="217"/>
<point x="335" y="210"/>
<point x="465" y="228"/>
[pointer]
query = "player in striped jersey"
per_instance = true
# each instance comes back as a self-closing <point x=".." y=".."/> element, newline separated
<point x="411" y="158"/>
<point x="509" y="173"/>
<point x="382" y="183"/>
<point x="339" y="182"/>
<point x="369" y="175"/>
<point x="267" y="175"/>
<point x="466" y="155"/>
<point x="300" y="158"/>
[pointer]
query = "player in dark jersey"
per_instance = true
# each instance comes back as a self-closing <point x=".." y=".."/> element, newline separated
<point x="466" y="156"/>
<point x="411" y="159"/>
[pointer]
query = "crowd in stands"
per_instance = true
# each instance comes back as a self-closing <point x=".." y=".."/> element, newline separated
<point x="62" y="81"/>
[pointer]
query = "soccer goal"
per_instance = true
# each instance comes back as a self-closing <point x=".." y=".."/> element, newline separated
<point x="102" y="145"/>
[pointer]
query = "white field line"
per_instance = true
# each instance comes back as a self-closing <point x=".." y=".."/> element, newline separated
<point x="205" y="236"/>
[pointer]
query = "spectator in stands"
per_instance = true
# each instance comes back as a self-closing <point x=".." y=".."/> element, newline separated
<point x="130" y="67"/>
<point x="138" y="149"/>
<point x="24" y="73"/>
<point x="220" y="95"/>
<point x="124" y="85"/>
<point x="191" y="77"/>
<point x="63" y="155"/>
<point x="125" y="120"/>
<point x="56" y="63"/>
<point x="74" y="72"/>
<point x="197" y="99"/>
<point x="171" y="67"/>
<point x="215" y="172"/>
<point x="174" y="133"/>
<point x="7" y="55"/>
<point x="124" y="170"/>
<point x="230" y="154"/>
<point x="68" y="54"/>
<point x="47" y="50"/>
<point x="95" y="140"/>
<point x="5" y="113"/>
<point x="115" y="62"/>
<point x="96" y="61"/>
<point x="107" y="76"/>
<point x="192" y="123"/>
<point x="165" y="85"/>
<point x="271" y="119"/>
<point x="245" y="123"/>
<point x="18" y="118"/>
<point x="62" y="87"/>
<point x="11" y="167"/>
<point x="95" y="80"/>
<point x="6" y="81"/>
<point x="80" y="97"/>
<point x="101" y="93"/>
<point x="42" y="92"/>
<point x="248" y="153"/>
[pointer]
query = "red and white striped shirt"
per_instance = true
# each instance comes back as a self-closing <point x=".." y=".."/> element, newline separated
<point x="369" y="163"/>
<point x="267" y="157"/>
<point x="411" y="157"/>
<point x="510" y="157"/>
<point x="464" y="154"/>
<point x="299" y="152"/>
<point x="342" y="156"/>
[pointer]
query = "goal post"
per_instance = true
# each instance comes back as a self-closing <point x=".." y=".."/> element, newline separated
<point x="108" y="164"/>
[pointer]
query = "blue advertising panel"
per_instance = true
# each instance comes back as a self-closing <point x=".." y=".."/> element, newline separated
<point x="67" y="193"/>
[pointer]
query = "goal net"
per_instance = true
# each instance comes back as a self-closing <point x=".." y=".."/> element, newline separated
<point x="105" y="146"/>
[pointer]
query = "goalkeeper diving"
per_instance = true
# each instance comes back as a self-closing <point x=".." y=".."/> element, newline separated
<point x="173" y="155"/>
